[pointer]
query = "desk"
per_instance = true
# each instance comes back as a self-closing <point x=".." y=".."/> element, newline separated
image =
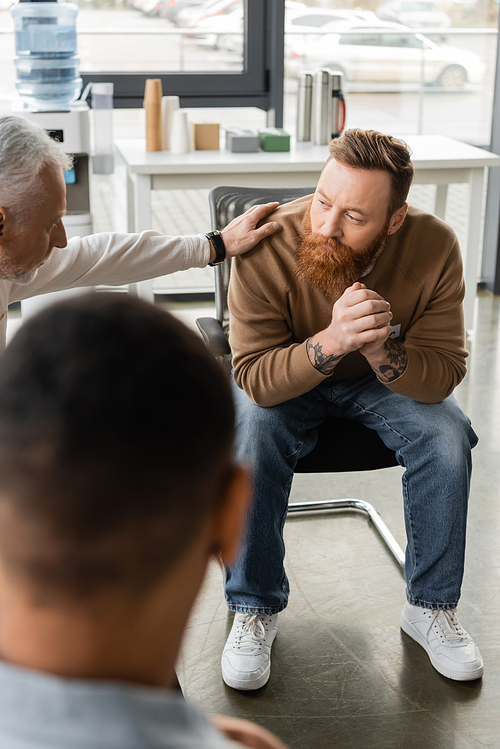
<point x="437" y="160"/>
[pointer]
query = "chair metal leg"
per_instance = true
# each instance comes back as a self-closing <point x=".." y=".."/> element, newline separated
<point x="355" y="504"/>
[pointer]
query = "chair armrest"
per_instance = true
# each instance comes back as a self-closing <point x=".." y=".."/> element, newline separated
<point x="213" y="335"/>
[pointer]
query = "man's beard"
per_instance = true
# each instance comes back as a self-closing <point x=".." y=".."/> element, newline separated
<point x="334" y="268"/>
<point x="10" y="271"/>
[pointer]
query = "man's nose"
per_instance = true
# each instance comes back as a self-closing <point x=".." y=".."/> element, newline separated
<point x="332" y="225"/>
<point x="59" y="238"/>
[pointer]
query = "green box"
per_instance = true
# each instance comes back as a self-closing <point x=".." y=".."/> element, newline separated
<point x="274" y="139"/>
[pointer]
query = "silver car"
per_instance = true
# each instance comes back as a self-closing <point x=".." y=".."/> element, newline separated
<point x="390" y="53"/>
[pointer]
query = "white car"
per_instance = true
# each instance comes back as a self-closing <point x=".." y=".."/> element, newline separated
<point x="303" y="28"/>
<point x="211" y="31"/>
<point x="387" y="53"/>
<point x="316" y="19"/>
<point x="414" y="13"/>
<point x="209" y="13"/>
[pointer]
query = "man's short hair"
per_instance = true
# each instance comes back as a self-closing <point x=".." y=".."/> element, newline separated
<point x="116" y="432"/>
<point x="25" y="149"/>
<point x="369" y="149"/>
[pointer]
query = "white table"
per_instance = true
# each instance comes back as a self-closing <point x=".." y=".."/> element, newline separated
<point x="437" y="160"/>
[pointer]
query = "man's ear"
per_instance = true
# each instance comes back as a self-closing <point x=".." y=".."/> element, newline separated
<point x="7" y="224"/>
<point x="230" y="520"/>
<point x="397" y="218"/>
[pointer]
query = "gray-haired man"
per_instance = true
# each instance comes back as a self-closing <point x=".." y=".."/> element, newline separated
<point x="32" y="235"/>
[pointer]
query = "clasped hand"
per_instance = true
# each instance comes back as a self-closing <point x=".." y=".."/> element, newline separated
<point x="361" y="321"/>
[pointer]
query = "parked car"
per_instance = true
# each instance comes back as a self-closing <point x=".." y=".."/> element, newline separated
<point x="172" y="8"/>
<point x="222" y="26"/>
<point x="293" y="10"/>
<point x="387" y="53"/>
<point x="191" y="16"/>
<point x="149" y="7"/>
<point x="304" y="27"/>
<point x="215" y="30"/>
<point x="215" y="9"/>
<point x="309" y="20"/>
<point x="415" y="13"/>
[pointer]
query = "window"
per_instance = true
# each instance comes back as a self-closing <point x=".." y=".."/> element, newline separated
<point x="217" y="54"/>
<point x="401" y="40"/>
<point x="440" y="81"/>
<point x="186" y="50"/>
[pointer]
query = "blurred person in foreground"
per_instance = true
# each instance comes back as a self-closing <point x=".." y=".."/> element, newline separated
<point x="117" y="486"/>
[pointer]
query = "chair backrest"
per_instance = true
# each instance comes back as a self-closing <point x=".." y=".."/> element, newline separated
<point x="225" y="204"/>
<point x="345" y="445"/>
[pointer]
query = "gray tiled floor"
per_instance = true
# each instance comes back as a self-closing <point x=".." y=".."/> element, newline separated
<point x="343" y="674"/>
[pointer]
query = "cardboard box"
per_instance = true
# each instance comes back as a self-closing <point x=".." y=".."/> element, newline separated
<point x="274" y="139"/>
<point x="206" y="136"/>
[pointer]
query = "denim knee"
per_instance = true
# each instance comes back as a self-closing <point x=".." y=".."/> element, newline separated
<point x="259" y="430"/>
<point x="448" y="433"/>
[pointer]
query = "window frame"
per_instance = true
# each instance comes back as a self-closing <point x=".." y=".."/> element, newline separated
<point x="260" y="84"/>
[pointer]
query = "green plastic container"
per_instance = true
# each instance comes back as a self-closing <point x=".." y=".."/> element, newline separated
<point x="274" y="139"/>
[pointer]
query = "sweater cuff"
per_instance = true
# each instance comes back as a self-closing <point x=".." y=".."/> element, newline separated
<point x="197" y="251"/>
<point x="305" y="374"/>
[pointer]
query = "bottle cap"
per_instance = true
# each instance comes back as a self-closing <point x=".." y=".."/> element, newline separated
<point x="337" y="78"/>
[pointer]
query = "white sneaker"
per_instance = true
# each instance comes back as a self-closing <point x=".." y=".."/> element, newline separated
<point x="246" y="660"/>
<point x="451" y="650"/>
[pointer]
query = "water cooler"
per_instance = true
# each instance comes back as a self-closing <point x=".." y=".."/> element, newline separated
<point x="48" y="84"/>
<point x="70" y="128"/>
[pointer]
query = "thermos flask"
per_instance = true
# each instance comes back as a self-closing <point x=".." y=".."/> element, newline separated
<point x="328" y="106"/>
<point x="338" y="105"/>
<point x="304" y="104"/>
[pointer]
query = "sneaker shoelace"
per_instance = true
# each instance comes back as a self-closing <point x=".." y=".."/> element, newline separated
<point x="457" y="633"/>
<point x="250" y="633"/>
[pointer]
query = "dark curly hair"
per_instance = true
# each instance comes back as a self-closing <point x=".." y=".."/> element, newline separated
<point x="116" y="432"/>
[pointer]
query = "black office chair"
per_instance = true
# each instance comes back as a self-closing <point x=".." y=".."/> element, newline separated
<point x="343" y="444"/>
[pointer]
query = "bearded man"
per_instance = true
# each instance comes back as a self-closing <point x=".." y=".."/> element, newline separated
<point x="353" y="310"/>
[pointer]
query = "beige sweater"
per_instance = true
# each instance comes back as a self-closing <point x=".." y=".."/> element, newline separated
<point x="273" y="313"/>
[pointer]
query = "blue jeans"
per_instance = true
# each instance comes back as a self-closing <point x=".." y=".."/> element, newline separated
<point x="432" y="442"/>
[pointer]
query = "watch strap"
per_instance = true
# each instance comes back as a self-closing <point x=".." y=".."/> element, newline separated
<point x="215" y="239"/>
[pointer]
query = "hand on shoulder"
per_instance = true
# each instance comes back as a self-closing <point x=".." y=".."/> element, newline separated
<point x="241" y="234"/>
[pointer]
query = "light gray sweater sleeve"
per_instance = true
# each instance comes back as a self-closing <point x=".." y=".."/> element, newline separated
<point x="114" y="259"/>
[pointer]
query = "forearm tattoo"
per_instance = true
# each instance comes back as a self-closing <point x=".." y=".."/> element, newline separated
<point x="398" y="360"/>
<point x="324" y="363"/>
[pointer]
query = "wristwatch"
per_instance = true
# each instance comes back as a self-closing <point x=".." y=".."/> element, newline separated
<point x="215" y="239"/>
